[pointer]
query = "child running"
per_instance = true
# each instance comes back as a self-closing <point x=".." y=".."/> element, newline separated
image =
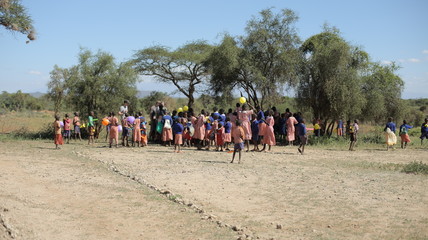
<point x="404" y="129"/>
<point x="238" y="139"/>
<point x="303" y="136"/>
<point x="58" y="136"/>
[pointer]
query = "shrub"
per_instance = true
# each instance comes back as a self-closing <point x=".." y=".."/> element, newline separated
<point x="416" y="168"/>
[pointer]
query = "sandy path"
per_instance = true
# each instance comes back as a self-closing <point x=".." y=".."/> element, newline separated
<point x="48" y="194"/>
<point x="325" y="194"/>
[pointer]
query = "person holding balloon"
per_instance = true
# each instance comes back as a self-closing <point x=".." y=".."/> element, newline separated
<point x="91" y="127"/>
<point x="58" y="136"/>
<point x="244" y="116"/>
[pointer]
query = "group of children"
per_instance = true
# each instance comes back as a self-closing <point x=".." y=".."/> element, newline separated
<point x="239" y="127"/>
<point x="391" y="138"/>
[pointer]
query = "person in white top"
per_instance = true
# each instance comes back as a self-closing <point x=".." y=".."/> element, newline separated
<point x="123" y="109"/>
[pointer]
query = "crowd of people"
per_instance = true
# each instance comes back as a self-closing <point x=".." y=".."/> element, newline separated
<point x="240" y="127"/>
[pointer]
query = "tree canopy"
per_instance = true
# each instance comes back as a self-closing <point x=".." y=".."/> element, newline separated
<point x="14" y="17"/>
<point x="96" y="83"/>
<point x="262" y="62"/>
<point x="184" y="67"/>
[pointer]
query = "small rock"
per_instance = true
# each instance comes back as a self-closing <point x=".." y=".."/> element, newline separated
<point x="278" y="226"/>
<point x="329" y="226"/>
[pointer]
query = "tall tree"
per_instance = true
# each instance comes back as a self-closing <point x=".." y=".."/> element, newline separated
<point x="331" y="84"/>
<point x="57" y="86"/>
<point x="185" y="67"/>
<point x="14" y="17"/>
<point x="98" y="83"/>
<point x="263" y="61"/>
<point x="382" y="88"/>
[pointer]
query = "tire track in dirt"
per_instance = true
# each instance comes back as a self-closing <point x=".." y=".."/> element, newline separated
<point x="243" y="232"/>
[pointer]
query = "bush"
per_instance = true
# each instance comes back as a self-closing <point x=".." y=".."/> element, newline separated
<point x="416" y="168"/>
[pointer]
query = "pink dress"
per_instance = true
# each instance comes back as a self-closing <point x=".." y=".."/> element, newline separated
<point x="291" y="121"/>
<point x="137" y="132"/>
<point x="114" y="129"/>
<point x="269" y="136"/>
<point x="244" y="116"/>
<point x="199" y="128"/>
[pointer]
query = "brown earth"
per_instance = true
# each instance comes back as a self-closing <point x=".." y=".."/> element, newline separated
<point x="93" y="192"/>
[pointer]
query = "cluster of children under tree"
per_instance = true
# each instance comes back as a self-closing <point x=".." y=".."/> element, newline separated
<point x="241" y="126"/>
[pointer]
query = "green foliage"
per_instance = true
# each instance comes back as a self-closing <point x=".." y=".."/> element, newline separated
<point x="416" y="168"/>
<point x="261" y="63"/>
<point x="14" y="17"/>
<point x="20" y="101"/>
<point x="97" y="83"/>
<point x="185" y="67"/>
<point x="382" y="88"/>
<point x="330" y="83"/>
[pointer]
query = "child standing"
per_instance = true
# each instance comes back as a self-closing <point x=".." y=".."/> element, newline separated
<point x="143" y="131"/>
<point x="58" y="136"/>
<point x="424" y="131"/>
<point x="177" y="129"/>
<point x="220" y="137"/>
<point x="76" y="124"/>
<point x="136" y="133"/>
<point x="269" y="136"/>
<point x="114" y="129"/>
<point x="238" y="139"/>
<point x="255" y="135"/>
<point x="67" y="128"/>
<point x="303" y="136"/>
<point x="125" y="130"/>
<point x="404" y="129"/>
<point x="91" y="127"/>
<point x="353" y="131"/>
<point x="227" y="133"/>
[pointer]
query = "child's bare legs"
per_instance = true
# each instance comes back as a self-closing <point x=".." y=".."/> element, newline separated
<point x="247" y="143"/>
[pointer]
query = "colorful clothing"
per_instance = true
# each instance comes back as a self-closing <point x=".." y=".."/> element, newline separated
<point x="291" y="121"/>
<point x="269" y="135"/>
<point x="136" y="132"/>
<point x="199" y="128"/>
<point x="58" y="137"/>
<point x="220" y="136"/>
<point x="114" y="129"/>
<point x="245" y="117"/>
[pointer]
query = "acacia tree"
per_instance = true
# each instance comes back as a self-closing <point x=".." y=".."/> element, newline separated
<point x="14" y="17"/>
<point x="263" y="61"/>
<point x="185" y="67"/>
<point x="382" y="88"/>
<point x="331" y="82"/>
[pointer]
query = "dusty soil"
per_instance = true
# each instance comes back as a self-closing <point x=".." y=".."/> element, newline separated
<point x="93" y="192"/>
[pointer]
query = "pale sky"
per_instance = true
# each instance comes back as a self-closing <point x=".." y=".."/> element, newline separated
<point x="387" y="30"/>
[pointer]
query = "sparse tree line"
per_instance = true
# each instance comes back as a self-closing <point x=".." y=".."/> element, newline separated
<point x="330" y="77"/>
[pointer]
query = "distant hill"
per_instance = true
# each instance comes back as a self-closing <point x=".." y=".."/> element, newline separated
<point x="141" y="94"/>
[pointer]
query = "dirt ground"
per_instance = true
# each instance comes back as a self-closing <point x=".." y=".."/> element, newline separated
<point x="93" y="192"/>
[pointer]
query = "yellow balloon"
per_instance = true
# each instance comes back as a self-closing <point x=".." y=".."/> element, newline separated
<point x="242" y="100"/>
<point x="186" y="108"/>
<point x="180" y="110"/>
